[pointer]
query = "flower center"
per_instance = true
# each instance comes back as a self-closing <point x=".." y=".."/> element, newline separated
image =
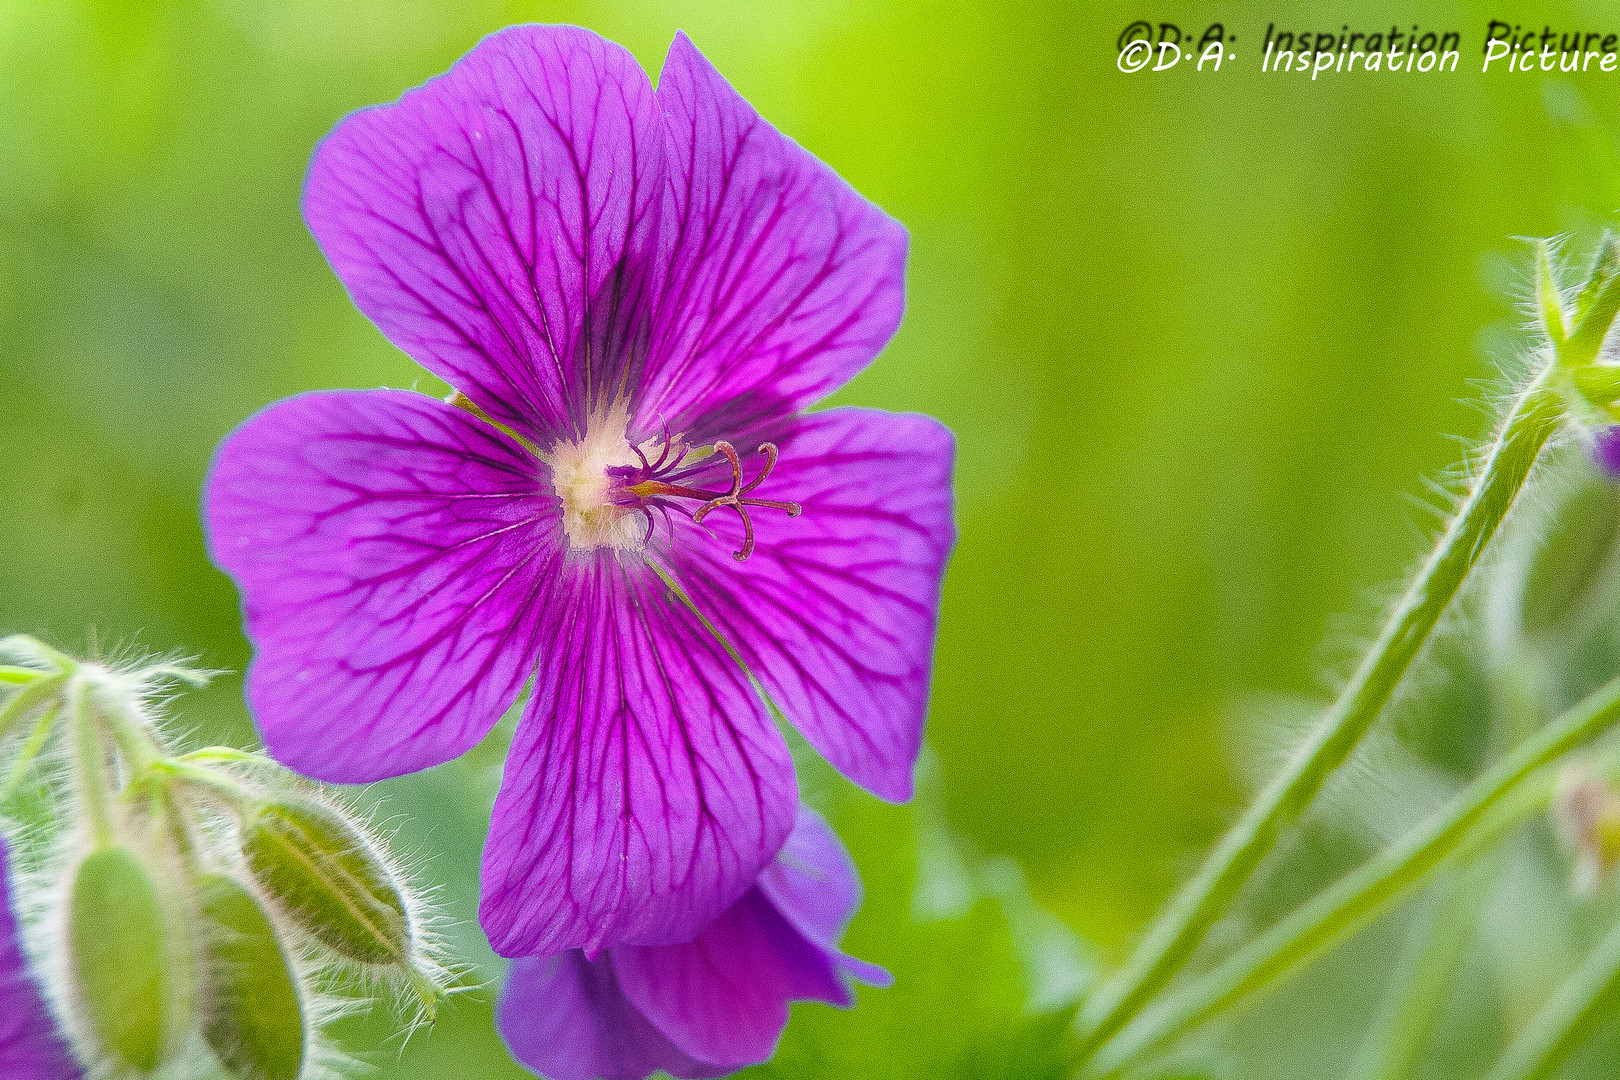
<point x="609" y="488"/>
<point x="579" y="472"/>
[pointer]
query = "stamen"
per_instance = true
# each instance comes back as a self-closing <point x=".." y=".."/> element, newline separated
<point x="644" y="490"/>
<point x="735" y="497"/>
<point x="663" y="457"/>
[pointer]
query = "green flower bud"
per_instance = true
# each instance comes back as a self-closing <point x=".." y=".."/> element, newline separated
<point x="253" y="1016"/>
<point x="327" y="876"/>
<point x="130" y="960"/>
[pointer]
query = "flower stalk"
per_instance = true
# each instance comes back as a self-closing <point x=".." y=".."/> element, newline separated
<point x="1531" y="419"/>
<point x="1480" y="811"/>
<point x="90" y="763"/>
<point x="33" y="691"/>
<point x="1532" y="416"/>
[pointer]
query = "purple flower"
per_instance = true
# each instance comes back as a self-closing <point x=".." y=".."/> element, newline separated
<point x="1606" y="450"/>
<point x="707" y="1006"/>
<point x="29" y="1044"/>
<point x="637" y="292"/>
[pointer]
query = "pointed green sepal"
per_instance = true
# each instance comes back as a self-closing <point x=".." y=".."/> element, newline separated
<point x="1600" y="385"/>
<point x="1604" y="267"/>
<point x="1583" y="344"/>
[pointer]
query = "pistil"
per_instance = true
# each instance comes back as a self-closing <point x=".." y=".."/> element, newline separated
<point x="648" y="490"/>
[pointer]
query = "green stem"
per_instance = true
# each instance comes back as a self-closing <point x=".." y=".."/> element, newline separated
<point x="91" y="761"/>
<point x="26" y="698"/>
<point x="30" y="750"/>
<point x="1584" y="998"/>
<point x="1532" y="417"/>
<point x="236" y="794"/>
<point x="140" y="750"/>
<point x="1485" y="805"/>
<point x="427" y="993"/>
<point x="221" y="753"/>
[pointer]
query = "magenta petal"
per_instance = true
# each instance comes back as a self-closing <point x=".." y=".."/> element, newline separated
<point x="783" y="282"/>
<point x="813" y="883"/>
<point x="724" y="995"/>
<point x="700" y="1007"/>
<point x="646" y="786"/>
<point x="492" y="222"/>
<point x="29" y="1044"/>
<point x="392" y="552"/>
<point x="566" y="1018"/>
<point x="835" y="610"/>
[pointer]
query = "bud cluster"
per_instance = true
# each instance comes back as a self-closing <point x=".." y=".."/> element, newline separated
<point x="205" y="905"/>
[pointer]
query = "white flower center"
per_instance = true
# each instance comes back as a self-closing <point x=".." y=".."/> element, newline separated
<point x="579" y="473"/>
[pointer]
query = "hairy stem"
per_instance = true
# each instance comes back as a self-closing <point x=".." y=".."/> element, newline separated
<point x="240" y="797"/>
<point x="30" y="750"/>
<point x="38" y="690"/>
<point x="1485" y="806"/>
<point x="1532" y="417"/>
<point x="90" y="761"/>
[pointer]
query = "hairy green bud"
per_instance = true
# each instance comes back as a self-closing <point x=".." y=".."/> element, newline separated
<point x="328" y="877"/>
<point x="130" y="960"/>
<point x="253" y="1016"/>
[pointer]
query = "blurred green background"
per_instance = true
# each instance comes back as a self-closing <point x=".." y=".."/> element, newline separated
<point x="1198" y="334"/>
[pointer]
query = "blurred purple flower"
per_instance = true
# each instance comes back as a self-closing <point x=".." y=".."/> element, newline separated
<point x="29" y="1043"/>
<point x="634" y="290"/>
<point x="1606" y="450"/>
<point x="704" y="1007"/>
